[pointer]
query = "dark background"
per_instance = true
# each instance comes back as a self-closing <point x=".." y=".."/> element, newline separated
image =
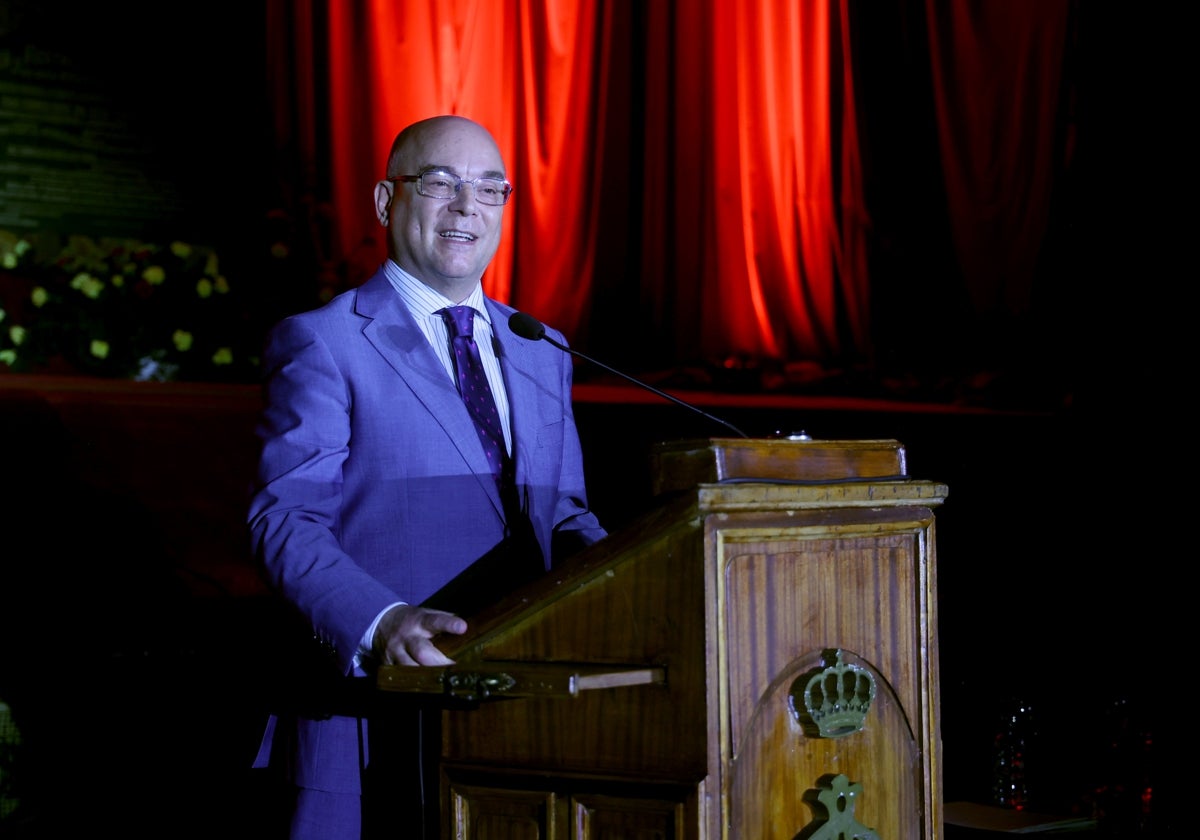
<point x="1057" y="564"/>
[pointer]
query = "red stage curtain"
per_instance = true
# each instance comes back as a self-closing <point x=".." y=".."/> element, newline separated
<point x="777" y="248"/>
<point x="523" y="68"/>
<point x="689" y="182"/>
<point x="999" y="93"/>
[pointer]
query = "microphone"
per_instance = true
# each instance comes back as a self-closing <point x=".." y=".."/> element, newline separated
<point x="526" y="326"/>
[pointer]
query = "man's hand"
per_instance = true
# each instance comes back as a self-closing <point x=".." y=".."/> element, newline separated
<point x="404" y="636"/>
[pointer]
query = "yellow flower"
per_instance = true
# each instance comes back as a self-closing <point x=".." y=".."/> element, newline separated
<point x="12" y="249"/>
<point x="89" y="285"/>
<point x="88" y="289"/>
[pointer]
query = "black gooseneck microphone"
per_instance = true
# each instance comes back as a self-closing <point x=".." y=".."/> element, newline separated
<point x="526" y="326"/>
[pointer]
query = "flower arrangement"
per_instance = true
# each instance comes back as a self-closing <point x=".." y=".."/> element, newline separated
<point x="121" y="308"/>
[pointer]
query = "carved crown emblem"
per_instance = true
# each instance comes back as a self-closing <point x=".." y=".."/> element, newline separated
<point x="833" y="701"/>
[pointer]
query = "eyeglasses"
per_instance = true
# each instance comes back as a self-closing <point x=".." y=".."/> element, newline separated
<point x="437" y="183"/>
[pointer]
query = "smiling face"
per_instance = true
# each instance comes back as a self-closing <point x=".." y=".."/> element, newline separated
<point x="445" y="243"/>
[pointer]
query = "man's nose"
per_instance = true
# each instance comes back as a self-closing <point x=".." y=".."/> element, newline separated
<point x="462" y="198"/>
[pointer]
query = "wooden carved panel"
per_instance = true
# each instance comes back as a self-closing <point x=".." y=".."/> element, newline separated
<point x="856" y="581"/>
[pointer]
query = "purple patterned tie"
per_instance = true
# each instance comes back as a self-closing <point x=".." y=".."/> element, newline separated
<point x="475" y="391"/>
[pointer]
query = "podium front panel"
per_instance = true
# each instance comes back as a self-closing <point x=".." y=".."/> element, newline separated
<point x="788" y="634"/>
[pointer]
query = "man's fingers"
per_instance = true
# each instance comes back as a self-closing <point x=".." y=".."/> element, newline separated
<point x="436" y="622"/>
<point x="428" y="654"/>
<point x="408" y="635"/>
<point x="418" y="652"/>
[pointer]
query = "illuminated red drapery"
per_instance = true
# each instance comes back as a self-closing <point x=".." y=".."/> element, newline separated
<point x="690" y="171"/>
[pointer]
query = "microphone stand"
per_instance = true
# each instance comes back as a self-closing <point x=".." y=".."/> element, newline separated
<point x="642" y="384"/>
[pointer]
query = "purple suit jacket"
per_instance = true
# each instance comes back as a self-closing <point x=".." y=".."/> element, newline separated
<point x="373" y="487"/>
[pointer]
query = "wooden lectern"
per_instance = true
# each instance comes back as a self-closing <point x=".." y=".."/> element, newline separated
<point x="755" y="658"/>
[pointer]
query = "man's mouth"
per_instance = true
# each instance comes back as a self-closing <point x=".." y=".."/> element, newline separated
<point x="458" y="235"/>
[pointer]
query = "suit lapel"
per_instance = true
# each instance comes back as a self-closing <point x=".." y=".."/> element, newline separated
<point x="523" y="384"/>
<point x="395" y="336"/>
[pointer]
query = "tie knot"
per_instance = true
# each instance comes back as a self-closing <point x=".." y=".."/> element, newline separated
<point x="460" y="320"/>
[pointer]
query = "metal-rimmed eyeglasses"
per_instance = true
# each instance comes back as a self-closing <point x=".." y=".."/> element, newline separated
<point x="438" y="183"/>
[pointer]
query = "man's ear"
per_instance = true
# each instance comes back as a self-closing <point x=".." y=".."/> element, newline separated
<point x="383" y="202"/>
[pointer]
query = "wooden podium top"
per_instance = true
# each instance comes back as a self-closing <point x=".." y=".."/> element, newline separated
<point x="684" y="464"/>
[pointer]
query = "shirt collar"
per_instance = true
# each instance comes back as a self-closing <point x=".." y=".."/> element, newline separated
<point x="423" y="301"/>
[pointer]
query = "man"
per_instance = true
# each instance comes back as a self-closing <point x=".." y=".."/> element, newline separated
<point x="374" y="491"/>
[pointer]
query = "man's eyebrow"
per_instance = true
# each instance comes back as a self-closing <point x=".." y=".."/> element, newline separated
<point x="440" y="167"/>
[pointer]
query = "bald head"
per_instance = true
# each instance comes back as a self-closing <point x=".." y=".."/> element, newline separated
<point x="445" y="242"/>
<point x="447" y="128"/>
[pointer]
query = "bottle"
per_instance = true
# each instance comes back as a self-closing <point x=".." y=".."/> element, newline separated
<point x="1125" y="794"/>
<point x="1013" y="743"/>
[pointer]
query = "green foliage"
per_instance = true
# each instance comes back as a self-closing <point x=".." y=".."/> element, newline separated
<point x="121" y="308"/>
